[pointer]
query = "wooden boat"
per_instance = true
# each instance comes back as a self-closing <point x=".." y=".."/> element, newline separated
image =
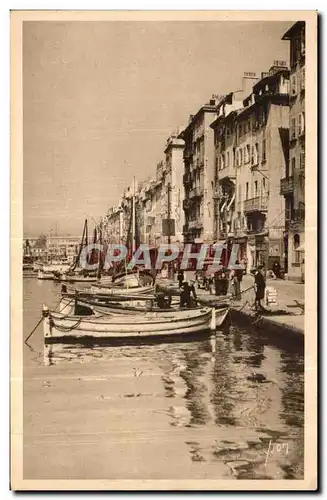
<point x="220" y="312"/>
<point x="121" y="290"/>
<point x="66" y="278"/>
<point x="58" y="326"/>
<point x="45" y="275"/>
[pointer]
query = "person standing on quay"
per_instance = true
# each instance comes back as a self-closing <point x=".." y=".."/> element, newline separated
<point x="236" y="278"/>
<point x="259" y="286"/>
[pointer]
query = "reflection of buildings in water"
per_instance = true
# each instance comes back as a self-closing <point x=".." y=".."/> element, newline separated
<point x="196" y="376"/>
<point x="292" y="410"/>
<point x="237" y="339"/>
<point x="256" y="346"/>
<point x="292" y="388"/>
<point x="224" y="380"/>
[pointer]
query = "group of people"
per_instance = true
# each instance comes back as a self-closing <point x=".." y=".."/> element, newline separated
<point x="221" y="280"/>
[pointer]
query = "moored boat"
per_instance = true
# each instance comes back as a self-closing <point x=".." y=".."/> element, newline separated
<point x="69" y="305"/>
<point x="45" y="275"/>
<point x="58" y="326"/>
<point x="66" y="278"/>
<point x="121" y="290"/>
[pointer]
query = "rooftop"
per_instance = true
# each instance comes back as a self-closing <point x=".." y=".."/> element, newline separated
<point x="293" y="30"/>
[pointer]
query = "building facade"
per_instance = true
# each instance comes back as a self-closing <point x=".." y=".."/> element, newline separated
<point x="52" y="247"/>
<point x="293" y="182"/>
<point x="175" y="168"/>
<point x="251" y="151"/>
<point x="198" y="176"/>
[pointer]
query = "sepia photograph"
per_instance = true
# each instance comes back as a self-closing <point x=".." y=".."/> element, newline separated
<point x="163" y="204"/>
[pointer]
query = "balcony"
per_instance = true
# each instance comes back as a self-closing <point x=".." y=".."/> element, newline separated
<point x="227" y="175"/>
<point x="186" y="204"/>
<point x="187" y="154"/>
<point x="257" y="204"/>
<point x="195" y="224"/>
<point x="196" y="192"/>
<point x="286" y="186"/>
<point x="299" y="215"/>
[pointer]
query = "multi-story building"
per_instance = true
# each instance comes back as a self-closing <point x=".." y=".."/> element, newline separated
<point x="293" y="182"/>
<point x="198" y="176"/>
<point x="251" y="153"/>
<point x="175" y="168"/>
<point x="63" y="246"/>
<point x="52" y="246"/>
<point x="113" y="225"/>
<point x="225" y="139"/>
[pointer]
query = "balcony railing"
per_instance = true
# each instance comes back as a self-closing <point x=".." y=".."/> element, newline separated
<point x="257" y="204"/>
<point x="195" y="224"/>
<point x="195" y="192"/>
<point x="286" y="185"/>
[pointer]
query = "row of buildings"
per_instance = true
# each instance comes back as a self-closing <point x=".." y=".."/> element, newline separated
<point x="51" y="247"/>
<point x="234" y="174"/>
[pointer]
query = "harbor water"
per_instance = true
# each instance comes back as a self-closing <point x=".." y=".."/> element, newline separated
<point x="221" y="407"/>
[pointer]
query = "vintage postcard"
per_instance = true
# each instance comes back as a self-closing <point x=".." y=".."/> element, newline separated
<point x="164" y="250"/>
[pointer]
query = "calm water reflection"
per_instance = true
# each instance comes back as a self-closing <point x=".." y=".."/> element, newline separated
<point x="179" y="410"/>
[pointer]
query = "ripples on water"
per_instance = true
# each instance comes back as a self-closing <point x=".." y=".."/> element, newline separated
<point x="161" y="411"/>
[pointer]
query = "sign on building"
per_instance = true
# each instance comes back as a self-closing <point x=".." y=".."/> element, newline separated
<point x="168" y="227"/>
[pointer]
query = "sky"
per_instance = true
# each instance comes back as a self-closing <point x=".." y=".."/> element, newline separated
<point x="100" y="100"/>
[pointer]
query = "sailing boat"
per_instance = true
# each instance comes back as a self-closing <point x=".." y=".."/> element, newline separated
<point x="128" y="282"/>
<point x="76" y="274"/>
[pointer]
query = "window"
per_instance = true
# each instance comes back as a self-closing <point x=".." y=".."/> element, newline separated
<point x="301" y="124"/>
<point x="296" y="241"/>
<point x="256" y="153"/>
<point x="302" y="160"/>
<point x="222" y="161"/>
<point x="227" y="159"/>
<point x="264" y="150"/>
<point x="263" y="187"/>
<point x="293" y="85"/>
<point x="240" y="156"/>
<point x="247" y="191"/>
<point x="248" y="153"/>
<point x="255" y="188"/>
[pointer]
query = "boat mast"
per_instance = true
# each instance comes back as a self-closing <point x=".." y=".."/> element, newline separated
<point x="133" y="218"/>
<point x="80" y="247"/>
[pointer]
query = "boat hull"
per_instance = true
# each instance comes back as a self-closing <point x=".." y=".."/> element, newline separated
<point x="77" y="279"/>
<point x="45" y="275"/>
<point x="133" y="307"/>
<point x="57" y="326"/>
<point x="115" y="290"/>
